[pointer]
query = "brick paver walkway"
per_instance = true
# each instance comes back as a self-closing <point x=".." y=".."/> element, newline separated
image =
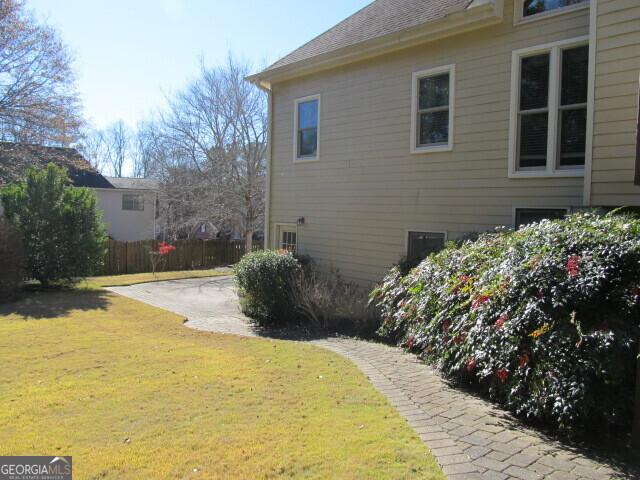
<point x="471" y="438"/>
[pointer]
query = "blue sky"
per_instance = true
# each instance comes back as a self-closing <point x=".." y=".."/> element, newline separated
<point x="130" y="53"/>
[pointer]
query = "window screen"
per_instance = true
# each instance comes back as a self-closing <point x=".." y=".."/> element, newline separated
<point x="525" y="216"/>
<point x="132" y="201"/>
<point x="422" y="244"/>
<point x="433" y="110"/>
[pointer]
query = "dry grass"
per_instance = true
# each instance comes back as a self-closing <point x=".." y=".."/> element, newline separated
<point x="93" y="283"/>
<point x="131" y="393"/>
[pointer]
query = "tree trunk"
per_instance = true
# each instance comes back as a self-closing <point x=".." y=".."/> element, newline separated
<point x="248" y="241"/>
<point x="635" y="433"/>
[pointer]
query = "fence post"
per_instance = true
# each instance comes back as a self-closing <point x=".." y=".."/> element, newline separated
<point x="635" y="433"/>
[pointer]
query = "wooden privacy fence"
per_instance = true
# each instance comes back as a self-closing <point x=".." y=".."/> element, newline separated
<point x="134" y="257"/>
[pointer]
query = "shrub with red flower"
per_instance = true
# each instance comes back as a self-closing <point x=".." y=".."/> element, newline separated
<point x="410" y="342"/>
<point x="479" y="300"/>
<point x="501" y="321"/>
<point x="471" y="366"/>
<point x="515" y="297"/>
<point x="573" y="266"/>
<point x="523" y="360"/>
<point x="158" y="257"/>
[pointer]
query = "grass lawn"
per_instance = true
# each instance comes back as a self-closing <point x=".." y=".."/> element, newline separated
<point x="131" y="393"/>
<point x="93" y="283"/>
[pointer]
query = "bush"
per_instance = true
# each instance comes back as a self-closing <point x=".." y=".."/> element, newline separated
<point x="64" y="237"/>
<point x="544" y="320"/>
<point x="11" y="261"/>
<point x="264" y="279"/>
<point x="324" y="301"/>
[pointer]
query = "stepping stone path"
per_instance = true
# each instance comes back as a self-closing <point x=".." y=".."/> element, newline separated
<point x="470" y="437"/>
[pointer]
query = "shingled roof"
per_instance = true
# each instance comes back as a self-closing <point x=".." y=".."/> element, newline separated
<point x="380" y="18"/>
<point x="16" y="158"/>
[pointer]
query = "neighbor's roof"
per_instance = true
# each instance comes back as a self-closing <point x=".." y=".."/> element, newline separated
<point x="16" y="158"/>
<point x="134" y="183"/>
<point x="380" y="18"/>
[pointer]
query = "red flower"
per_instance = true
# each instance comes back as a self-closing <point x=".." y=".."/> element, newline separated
<point x="445" y="326"/>
<point x="410" y="342"/>
<point x="458" y="339"/>
<point x="635" y="291"/>
<point x="471" y="365"/>
<point x="523" y="361"/>
<point x="502" y="375"/>
<point x="573" y="266"/>
<point x="479" y="300"/>
<point x="501" y="320"/>
<point x="165" y="248"/>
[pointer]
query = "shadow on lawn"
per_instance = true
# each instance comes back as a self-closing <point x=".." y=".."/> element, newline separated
<point x="38" y="304"/>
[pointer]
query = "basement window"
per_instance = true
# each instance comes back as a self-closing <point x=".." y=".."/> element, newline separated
<point x="422" y="244"/>
<point x="526" y="216"/>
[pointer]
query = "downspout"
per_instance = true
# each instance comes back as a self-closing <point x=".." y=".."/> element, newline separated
<point x="588" y="160"/>
<point x="267" y="190"/>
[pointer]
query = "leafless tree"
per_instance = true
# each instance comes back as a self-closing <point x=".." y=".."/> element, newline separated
<point x="38" y="98"/>
<point x="217" y="127"/>
<point x="93" y="147"/>
<point x="117" y="146"/>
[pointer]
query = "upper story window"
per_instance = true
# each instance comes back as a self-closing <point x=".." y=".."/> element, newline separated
<point x="133" y="201"/>
<point x="307" y="128"/>
<point x="535" y="7"/>
<point x="549" y="110"/>
<point x="432" y="109"/>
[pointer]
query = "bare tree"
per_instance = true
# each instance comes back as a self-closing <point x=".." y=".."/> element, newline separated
<point x="217" y="127"/>
<point x="93" y="147"/>
<point x="38" y="98"/>
<point x="117" y="145"/>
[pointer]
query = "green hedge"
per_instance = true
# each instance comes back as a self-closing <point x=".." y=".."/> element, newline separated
<point x="544" y="320"/>
<point x="264" y="281"/>
<point x="11" y="261"/>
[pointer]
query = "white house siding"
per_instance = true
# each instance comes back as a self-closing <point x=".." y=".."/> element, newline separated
<point x="367" y="190"/>
<point x="616" y="103"/>
<point x="127" y="225"/>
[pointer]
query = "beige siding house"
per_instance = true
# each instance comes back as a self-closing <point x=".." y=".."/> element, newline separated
<point x="414" y="121"/>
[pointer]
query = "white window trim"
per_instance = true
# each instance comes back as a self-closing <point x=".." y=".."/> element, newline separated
<point x="451" y="69"/>
<point x="277" y="229"/>
<point x="537" y="207"/>
<point x="306" y="159"/>
<point x="422" y="230"/>
<point x="132" y="209"/>
<point x="551" y="169"/>
<point x="519" y="19"/>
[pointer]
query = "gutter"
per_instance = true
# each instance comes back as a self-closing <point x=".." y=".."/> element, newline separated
<point x="477" y="15"/>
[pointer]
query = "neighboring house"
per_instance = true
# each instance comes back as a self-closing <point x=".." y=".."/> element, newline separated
<point x="128" y="205"/>
<point x="129" y="208"/>
<point x="412" y="122"/>
<point x="204" y="231"/>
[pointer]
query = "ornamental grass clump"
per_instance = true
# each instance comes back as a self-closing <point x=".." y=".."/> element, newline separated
<point x="544" y="320"/>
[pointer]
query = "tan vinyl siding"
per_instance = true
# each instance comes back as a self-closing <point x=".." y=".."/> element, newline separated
<point x="367" y="189"/>
<point x="616" y="103"/>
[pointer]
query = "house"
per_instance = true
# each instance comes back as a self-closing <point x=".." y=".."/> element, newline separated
<point x="413" y="122"/>
<point x="128" y="204"/>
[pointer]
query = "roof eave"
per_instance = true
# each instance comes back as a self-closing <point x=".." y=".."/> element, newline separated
<point x="460" y="21"/>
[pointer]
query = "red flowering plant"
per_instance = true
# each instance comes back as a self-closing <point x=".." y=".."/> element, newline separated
<point x="501" y="312"/>
<point x="159" y="256"/>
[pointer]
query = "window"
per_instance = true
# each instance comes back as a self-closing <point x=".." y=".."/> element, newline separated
<point x="525" y="216"/>
<point x="203" y="228"/>
<point x="288" y="240"/>
<point x="535" y="7"/>
<point x="432" y="109"/>
<point x="421" y="244"/>
<point x="132" y="201"/>
<point x="549" y="110"/>
<point x="307" y="128"/>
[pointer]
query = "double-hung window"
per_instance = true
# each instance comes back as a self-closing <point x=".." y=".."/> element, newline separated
<point x="432" y="109"/>
<point x="549" y="110"/>
<point x="307" y="128"/>
<point x="132" y="201"/>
